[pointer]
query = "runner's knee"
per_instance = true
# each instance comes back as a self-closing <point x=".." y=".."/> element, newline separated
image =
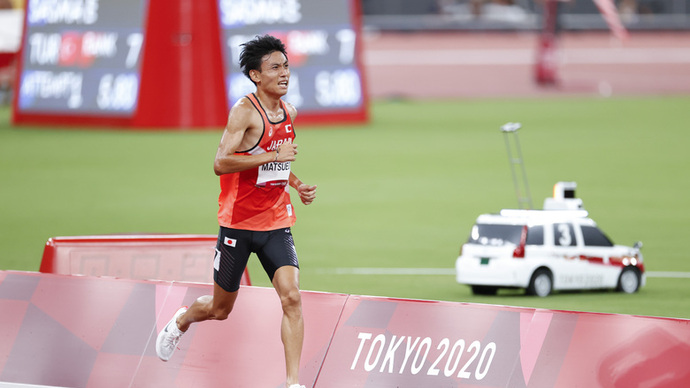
<point x="291" y="299"/>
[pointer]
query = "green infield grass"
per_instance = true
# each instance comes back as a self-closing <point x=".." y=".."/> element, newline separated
<point x="398" y="193"/>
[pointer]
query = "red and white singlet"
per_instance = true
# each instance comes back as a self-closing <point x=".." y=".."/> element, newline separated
<point x="259" y="198"/>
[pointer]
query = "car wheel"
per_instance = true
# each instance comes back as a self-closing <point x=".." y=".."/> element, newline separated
<point x="541" y="283"/>
<point x="484" y="290"/>
<point x="629" y="281"/>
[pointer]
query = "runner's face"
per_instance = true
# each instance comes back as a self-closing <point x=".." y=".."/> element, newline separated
<point x="275" y="73"/>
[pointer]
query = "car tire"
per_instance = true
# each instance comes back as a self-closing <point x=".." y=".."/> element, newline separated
<point x="541" y="283"/>
<point x="484" y="290"/>
<point x="629" y="280"/>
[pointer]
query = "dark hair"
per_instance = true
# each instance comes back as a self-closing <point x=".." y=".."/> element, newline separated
<point x="254" y="50"/>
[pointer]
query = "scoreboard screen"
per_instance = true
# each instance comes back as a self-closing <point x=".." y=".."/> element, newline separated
<point x="82" y="57"/>
<point x="175" y="63"/>
<point x="322" y="46"/>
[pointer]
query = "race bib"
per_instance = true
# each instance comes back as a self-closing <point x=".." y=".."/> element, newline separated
<point x="273" y="174"/>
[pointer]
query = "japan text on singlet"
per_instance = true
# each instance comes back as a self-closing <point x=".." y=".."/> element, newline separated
<point x="259" y="198"/>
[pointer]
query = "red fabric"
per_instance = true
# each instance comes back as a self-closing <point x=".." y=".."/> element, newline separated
<point x="246" y="201"/>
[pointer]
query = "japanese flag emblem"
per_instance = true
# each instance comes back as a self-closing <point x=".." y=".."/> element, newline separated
<point x="231" y="242"/>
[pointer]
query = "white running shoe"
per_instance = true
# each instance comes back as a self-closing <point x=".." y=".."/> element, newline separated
<point x="169" y="337"/>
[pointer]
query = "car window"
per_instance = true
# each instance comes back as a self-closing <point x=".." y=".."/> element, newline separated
<point x="563" y="235"/>
<point x="595" y="237"/>
<point x="495" y="235"/>
<point x="535" y="235"/>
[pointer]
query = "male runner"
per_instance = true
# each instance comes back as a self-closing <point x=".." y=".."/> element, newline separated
<point x="255" y="215"/>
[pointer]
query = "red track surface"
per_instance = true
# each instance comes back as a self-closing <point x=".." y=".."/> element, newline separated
<point x="469" y="65"/>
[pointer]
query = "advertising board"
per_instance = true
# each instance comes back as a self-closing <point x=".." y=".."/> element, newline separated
<point x="83" y="331"/>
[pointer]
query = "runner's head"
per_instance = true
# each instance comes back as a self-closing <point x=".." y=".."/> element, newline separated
<point x="257" y="50"/>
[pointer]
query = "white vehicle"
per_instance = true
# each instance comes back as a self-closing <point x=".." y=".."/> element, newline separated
<point x="558" y="248"/>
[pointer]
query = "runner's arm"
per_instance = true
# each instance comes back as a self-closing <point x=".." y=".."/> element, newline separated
<point x="239" y="121"/>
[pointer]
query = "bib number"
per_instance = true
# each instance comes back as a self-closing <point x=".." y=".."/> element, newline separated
<point x="273" y="173"/>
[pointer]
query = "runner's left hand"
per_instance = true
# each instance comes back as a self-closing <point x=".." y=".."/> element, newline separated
<point x="306" y="193"/>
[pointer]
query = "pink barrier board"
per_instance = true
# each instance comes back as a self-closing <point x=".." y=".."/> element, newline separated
<point x="181" y="257"/>
<point x="383" y="342"/>
<point x="70" y="331"/>
<point x="80" y="331"/>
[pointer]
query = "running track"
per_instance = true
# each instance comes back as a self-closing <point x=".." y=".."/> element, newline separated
<point x="470" y="65"/>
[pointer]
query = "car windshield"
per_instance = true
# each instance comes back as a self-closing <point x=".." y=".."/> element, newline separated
<point x="595" y="237"/>
<point x="495" y="235"/>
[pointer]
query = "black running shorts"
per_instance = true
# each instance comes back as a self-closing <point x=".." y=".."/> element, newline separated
<point x="274" y="248"/>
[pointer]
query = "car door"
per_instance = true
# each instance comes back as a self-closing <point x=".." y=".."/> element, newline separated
<point x="597" y="251"/>
<point x="570" y="272"/>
